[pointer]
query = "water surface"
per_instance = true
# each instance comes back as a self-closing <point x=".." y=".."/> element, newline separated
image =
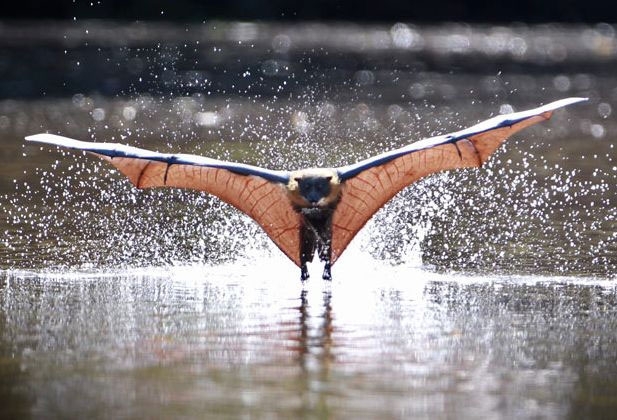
<point x="477" y="294"/>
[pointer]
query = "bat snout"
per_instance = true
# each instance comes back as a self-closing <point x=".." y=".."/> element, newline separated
<point x="313" y="197"/>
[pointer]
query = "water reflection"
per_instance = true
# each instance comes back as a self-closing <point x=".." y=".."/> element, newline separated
<point x="314" y="351"/>
<point x="411" y="343"/>
<point x="315" y="341"/>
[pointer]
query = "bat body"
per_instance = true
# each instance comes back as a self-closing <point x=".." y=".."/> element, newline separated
<point x="317" y="209"/>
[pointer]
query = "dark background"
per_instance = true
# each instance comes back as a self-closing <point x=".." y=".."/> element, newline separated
<point x="493" y="11"/>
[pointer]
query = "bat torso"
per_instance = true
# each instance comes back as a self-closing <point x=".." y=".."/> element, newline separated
<point x="314" y="195"/>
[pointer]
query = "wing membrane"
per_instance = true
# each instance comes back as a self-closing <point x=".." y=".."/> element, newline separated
<point x="255" y="191"/>
<point x="369" y="184"/>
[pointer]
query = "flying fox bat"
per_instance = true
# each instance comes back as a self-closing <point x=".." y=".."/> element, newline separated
<point x="316" y="209"/>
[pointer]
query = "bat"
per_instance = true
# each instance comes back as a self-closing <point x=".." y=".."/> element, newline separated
<point x="315" y="210"/>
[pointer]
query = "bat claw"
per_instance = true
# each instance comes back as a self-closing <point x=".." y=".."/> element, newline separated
<point x="304" y="274"/>
<point x="327" y="274"/>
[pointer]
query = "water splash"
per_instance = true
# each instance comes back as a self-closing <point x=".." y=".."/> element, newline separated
<point x="295" y="103"/>
<point x="534" y="208"/>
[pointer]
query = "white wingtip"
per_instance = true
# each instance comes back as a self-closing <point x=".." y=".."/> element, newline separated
<point x="57" y="140"/>
<point x="564" y="102"/>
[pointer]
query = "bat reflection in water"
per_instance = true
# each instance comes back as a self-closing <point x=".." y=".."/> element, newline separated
<point x="317" y="209"/>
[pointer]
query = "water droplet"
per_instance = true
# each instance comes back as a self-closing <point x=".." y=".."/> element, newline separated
<point x="98" y="114"/>
<point x="281" y="43"/>
<point x="597" y="130"/>
<point x="129" y="113"/>
<point x="562" y="83"/>
<point x="207" y="119"/>
<point x="604" y="109"/>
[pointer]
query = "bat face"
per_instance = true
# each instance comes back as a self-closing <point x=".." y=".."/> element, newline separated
<point x="314" y="188"/>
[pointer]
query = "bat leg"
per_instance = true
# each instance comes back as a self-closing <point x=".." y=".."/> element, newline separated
<point x="325" y="252"/>
<point x="304" y="274"/>
<point x="307" y="249"/>
<point x="316" y="234"/>
<point x="327" y="274"/>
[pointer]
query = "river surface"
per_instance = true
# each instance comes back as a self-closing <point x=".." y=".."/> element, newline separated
<point x="483" y="293"/>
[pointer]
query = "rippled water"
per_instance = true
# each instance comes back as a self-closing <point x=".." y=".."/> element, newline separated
<point x="388" y="342"/>
<point x="478" y="294"/>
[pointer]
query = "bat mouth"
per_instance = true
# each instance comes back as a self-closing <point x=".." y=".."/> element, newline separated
<point x="312" y="211"/>
<point x="317" y="204"/>
<point x="313" y="202"/>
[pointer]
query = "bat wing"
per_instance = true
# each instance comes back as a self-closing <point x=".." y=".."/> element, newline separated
<point x="369" y="184"/>
<point x="258" y="192"/>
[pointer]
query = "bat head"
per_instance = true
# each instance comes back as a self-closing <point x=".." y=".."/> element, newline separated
<point x="314" y="188"/>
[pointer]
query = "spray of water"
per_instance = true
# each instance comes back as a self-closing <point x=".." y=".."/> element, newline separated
<point x="520" y="213"/>
<point x="533" y="208"/>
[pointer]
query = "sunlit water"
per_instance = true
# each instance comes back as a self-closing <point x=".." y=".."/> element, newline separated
<point x="480" y="294"/>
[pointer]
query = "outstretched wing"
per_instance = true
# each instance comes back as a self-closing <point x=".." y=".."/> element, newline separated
<point x="369" y="184"/>
<point x="258" y="192"/>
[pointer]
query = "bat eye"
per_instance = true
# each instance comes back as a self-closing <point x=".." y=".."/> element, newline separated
<point x="297" y="179"/>
<point x="328" y="178"/>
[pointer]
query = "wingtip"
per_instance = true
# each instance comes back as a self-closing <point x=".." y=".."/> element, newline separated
<point x="46" y="138"/>
<point x="56" y="140"/>
<point x="521" y="115"/>
<point x="576" y="99"/>
<point x="565" y="102"/>
<point x="36" y="137"/>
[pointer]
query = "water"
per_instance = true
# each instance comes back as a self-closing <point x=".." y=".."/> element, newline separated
<point x="475" y="294"/>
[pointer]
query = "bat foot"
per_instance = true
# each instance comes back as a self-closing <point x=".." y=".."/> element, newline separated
<point x="304" y="274"/>
<point x="327" y="274"/>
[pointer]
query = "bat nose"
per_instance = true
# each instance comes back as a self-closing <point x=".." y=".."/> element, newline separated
<point x="313" y="197"/>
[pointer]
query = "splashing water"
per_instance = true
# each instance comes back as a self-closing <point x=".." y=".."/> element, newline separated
<point x="521" y="213"/>
<point x="544" y="204"/>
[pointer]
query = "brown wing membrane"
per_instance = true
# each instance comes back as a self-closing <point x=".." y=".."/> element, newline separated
<point x="368" y="191"/>
<point x="264" y="201"/>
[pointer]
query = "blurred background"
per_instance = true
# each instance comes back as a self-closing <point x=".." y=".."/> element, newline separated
<point x="483" y="293"/>
<point x="472" y="11"/>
